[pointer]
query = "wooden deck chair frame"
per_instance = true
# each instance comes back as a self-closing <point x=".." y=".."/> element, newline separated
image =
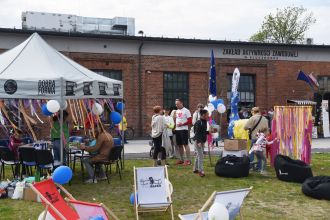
<point x="210" y="200"/>
<point x="139" y="209"/>
<point x="67" y="198"/>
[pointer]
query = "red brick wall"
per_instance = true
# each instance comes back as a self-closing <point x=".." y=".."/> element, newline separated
<point x="275" y="80"/>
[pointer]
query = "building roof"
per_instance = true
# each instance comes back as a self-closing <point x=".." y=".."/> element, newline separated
<point x="157" y="39"/>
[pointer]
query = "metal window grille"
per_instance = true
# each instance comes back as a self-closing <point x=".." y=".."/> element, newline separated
<point x="176" y="85"/>
<point x="246" y="90"/>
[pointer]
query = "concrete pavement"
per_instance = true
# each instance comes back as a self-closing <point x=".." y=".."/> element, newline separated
<point x="141" y="148"/>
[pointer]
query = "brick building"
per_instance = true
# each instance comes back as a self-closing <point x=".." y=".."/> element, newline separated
<point x="155" y="71"/>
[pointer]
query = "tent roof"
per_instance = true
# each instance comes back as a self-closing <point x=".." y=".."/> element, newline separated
<point x="35" y="60"/>
<point x="301" y="102"/>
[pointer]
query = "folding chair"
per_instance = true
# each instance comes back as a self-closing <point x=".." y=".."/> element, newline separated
<point x="150" y="188"/>
<point x="28" y="160"/>
<point x="44" y="160"/>
<point x="232" y="200"/>
<point x="113" y="158"/>
<point x="67" y="209"/>
<point x="7" y="157"/>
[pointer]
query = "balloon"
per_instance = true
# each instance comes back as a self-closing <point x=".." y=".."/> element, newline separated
<point x="53" y="106"/>
<point x="221" y="108"/>
<point x="48" y="216"/>
<point x="120" y="106"/>
<point x="132" y="199"/>
<point x="212" y="98"/>
<point x="97" y="109"/>
<point x="210" y="107"/>
<point x="62" y="175"/>
<point x="115" y="117"/>
<point x="45" y="110"/>
<point x="218" y="212"/>
<point x="97" y="217"/>
<point x="169" y="187"/>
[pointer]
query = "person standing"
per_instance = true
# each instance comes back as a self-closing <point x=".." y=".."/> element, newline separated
<point x="201" y="132"/>
<point x="183" y="119"/>
<point x="196" y="115"/>
<point x="256" y="123"/>
<point x="170" y="125"/>
<point x="158" y="126"/>
<point x="123" y="127"/>
<point x="55" y="135"/>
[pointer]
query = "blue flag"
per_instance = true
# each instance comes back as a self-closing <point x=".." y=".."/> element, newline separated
<point x="302" y="76"/>
<point x="212" y="80"/>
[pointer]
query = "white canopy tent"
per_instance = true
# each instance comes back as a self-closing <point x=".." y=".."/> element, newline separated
<point x="35" y="70"/>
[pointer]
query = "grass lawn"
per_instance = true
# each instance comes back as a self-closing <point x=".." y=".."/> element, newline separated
<point x="269" y="199"/>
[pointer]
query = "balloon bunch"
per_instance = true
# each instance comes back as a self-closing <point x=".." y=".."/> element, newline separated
<point x="215" y="104"/>
<point x="51" y="107"/>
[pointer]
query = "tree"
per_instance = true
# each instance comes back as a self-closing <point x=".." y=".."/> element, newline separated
<point x="288" y="25"/>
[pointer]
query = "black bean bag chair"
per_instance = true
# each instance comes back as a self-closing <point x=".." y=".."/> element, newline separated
<point x="232" y="166"/>
<point x="290" y="170"/>
<point x="317" y="187"/>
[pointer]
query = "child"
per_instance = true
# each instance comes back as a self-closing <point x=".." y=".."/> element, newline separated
<point x="259" y="148"/>
<point x="201" y="132"/>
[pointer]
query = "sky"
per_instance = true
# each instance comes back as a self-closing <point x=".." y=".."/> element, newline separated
<point x="200" y="19"/>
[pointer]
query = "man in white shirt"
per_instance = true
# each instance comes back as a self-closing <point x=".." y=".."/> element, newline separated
<point x="182" y="120"/>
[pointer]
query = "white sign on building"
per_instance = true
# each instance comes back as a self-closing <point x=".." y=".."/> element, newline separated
<point x="325" y="117"/>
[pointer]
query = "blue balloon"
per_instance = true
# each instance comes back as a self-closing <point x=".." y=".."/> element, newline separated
<point x="62" y="175"/>
<point x="115" y="117"/>
<point x="215" y="103"/>
<point x="45" y="110"/>
<point x="120" y="106"/>
<point x="132" y="199"/>
<point x="97" y="217"/>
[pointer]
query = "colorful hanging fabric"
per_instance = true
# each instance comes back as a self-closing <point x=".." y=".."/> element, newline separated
<point x="292" y="126"/>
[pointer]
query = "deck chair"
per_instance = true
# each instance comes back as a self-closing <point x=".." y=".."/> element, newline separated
<point x="151" y="191"/>
<point x="69" y="208"/>
<point x="232" y="200"/>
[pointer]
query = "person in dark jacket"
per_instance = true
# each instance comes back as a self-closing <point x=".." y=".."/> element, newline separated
<point x="201" y="130"/>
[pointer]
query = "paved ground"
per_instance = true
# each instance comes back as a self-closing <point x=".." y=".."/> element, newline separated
<point x="141" y="148"/>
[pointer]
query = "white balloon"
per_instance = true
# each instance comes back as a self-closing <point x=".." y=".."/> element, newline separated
<point x="210" y="106"/>
<point x="53" y="106"/>
<point x="212" y="98"/>
<point x="48" y="216"/>
<point x="221" y="108"/>
<point x="168" y="187"/>
<point x="218" y="212"/>
<point x="97" y="109"/>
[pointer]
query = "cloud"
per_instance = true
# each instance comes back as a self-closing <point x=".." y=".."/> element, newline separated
<point x="215" y="19"/>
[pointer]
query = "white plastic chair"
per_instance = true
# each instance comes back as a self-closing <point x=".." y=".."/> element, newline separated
<point x="232" y="200"/>
<point x="151" y="190"/>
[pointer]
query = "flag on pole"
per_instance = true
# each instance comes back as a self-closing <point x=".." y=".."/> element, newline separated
<point x="313" y="80"/>
<point x="212" y="79"/>
<point x="304" y="77"/>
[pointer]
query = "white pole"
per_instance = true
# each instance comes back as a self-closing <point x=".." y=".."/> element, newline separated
<point x="61" y="122"/>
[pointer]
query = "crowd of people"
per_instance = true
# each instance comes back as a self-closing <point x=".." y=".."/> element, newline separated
<point x="170" y="134"/>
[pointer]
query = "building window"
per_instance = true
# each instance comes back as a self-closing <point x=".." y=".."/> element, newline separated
<point x="176" y="86"/>
<point x="112" y="74"/>
<point x="324" y="82"/>
<point x="246" y="90"/>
